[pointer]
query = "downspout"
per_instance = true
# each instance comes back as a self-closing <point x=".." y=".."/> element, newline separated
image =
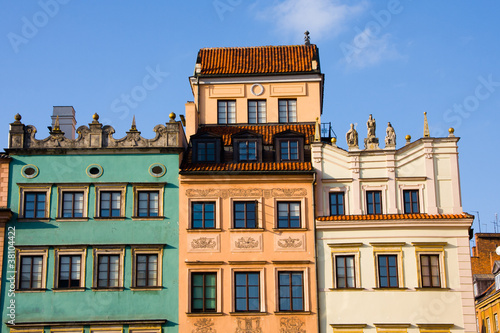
<point x="315" y="248"/>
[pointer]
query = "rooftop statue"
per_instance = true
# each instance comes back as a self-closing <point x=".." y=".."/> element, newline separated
<point x="390" y="136"/>
<point x="352" y="137"/>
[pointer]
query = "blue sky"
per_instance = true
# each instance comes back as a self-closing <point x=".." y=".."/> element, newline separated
<point x="394" y="59"/>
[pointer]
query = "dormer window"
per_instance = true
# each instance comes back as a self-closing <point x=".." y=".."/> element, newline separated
<point x="287" y="110"/>
<point x="247" y="147"/>
<point x="289" y="150"/>
<point x="247" y="151"/>
<point x="206" y="148"/>
<point x="289" y="147"/>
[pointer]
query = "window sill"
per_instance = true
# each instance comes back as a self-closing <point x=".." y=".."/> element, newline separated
<point x="289" y="229"/>
<point x="69" y="289"/>
<point x="246" y="229"/>
<point x="117" y="218"/>
<point x="205" y="230"/>
<point x="292" y="313"/>
<point x="346" y="289"/>
<point x="72" y="219"/>
<point x="107" y="289"/>
<point x="204" y="314"/>
<point x="147" y="218"/>
<point x="390" y="288"/>
<point x="42" y="219"/>
<point x="248" y="313"/>
<point x="146" y="288"/>
<point x="34" y="290"/>
<point x="432" y="289"/>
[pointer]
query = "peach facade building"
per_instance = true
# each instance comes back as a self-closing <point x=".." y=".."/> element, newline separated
<point x="246" y="192"/>
<point x="392" y="238"/>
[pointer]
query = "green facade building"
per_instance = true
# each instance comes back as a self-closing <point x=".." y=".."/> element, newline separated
<point x="95" y="229"/>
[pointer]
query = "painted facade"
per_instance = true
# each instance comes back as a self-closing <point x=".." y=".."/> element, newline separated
<point x="246" y="192"/>
<point x="96" y="221"/>
<point x="488" y="302"/>
<point x="393" y="241"/>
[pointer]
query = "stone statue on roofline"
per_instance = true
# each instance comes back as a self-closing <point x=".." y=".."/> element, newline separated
<point x="390" y="136"/>
<point x="352" y="138"/>
<point x="371" y="141"/>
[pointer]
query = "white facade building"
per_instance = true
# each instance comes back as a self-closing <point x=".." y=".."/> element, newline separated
<point x="393" y="241"/>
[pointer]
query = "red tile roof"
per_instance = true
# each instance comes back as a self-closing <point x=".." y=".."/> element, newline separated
<point x="393" y="217"/>
<point x="267" y="131"/>
<point x="272" y="166"/>
<point x="258" y="60"/>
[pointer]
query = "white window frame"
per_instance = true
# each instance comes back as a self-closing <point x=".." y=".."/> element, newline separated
<point x="120" y="251"/>
<point x="408" y="187"/>
<point x="72" y="251"/>
<point x="139" y="250"/>
<point x="343" y="189"/>
<point x="262" y="288"/>
<point x="32" y="251"/>
<point x="149" y="188"/>
<point x="259" y="214"/>
<point x="383" y="198"/>
<point x="346" y="249"/>
<point x="218" y="302"/>
<point x="305" y="291"/>
<point x="389" y="249"/>
<point x="47" y="189"/>
<point x="431" y="248"/>
<point x="122" y="188"/>
<point x="72" y="188"/>
<point x="302" y="201"/>
<point x="217" y="202"/>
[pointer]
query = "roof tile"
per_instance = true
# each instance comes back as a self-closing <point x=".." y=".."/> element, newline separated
<point x="392" y="217"/>
<point x="288" y="166"/>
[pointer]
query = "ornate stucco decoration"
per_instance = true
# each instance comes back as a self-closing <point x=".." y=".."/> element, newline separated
<point x="203" y="243"/>
<point x="289" y="242"/>
<point x="253" y="192"/>
<point x="246" y="243"/>
<point x="95" y="135"/>
<point x="248" y="325"/>
<point x="291" y="325"/>
<point x="428" y="153"/>
<point x="204" y="325"/>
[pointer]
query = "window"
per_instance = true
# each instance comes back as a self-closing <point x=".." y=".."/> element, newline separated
<point x="31" y="268"/>
<point x="204" y="292"/>
<point x="289" y="215"/>
<point x="291" y="291"/>
<point x="72" y="204"/>
<point x="289" y="150"/>
<point x="148" y="203"/>
<point x="344" y="271"/>
<point x="247" y="291"/>
<point x="411" y="204"/>
<point x="110" y="204"/>
<point x="257" y="112"/>
<point x="31" y="272"/>
<point x="247" y="151"/>
<point x="203" y="215"/>
<point x="373" y="202"/>
<point x="108" y="268"/>
<point x="488" y="325"/>
<point x="429" y="269"/>
<point x="205" y="151"/>
<point x="497" y="281"/>
<point x="226" y="112"/>
<point x="337" y="203"/>
<point x="34" y="205"/>
<point x="69" y="271"/>
<point x="147" y="270"/>
<point x="495" y="322"/>
<point x="388" y="271"/>
<point x="245" y="214"/>
<point x="287" y="110"/>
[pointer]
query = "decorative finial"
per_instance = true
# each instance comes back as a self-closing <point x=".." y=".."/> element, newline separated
<point x="451" y="130"/>
<point x="408" y="139"/>
<point x="426" y="126"/>
<point x="334" y="141"/>
<point x="95" y="117"/>
<point x="17" y="118"/>
<point x="172" y="117"/>
<point x="317" y="131"/>
<point x="133" y="128"/>
<point x="56" y="125"/>
<point x="307" y="39"/>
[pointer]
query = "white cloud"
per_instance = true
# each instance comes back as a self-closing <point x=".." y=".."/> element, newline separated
<point x="367" y="49"/>
<point x="321" y="17"/>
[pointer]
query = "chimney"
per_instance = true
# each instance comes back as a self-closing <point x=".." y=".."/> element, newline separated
<point x="67" y="121"/>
